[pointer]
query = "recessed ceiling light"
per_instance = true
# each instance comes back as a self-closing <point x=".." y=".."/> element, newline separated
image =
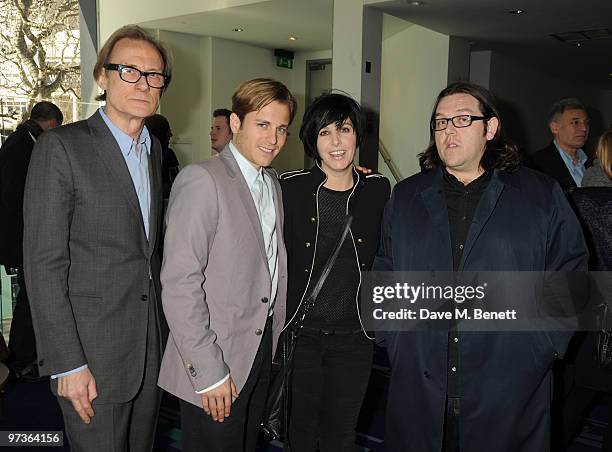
<point x="516" y="11"/>
<point x="292" y="38"/>
<point x="238" y="29"/>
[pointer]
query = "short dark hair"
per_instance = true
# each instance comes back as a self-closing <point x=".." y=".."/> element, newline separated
<point x="500" y="153"/>
<point x="571" y="103"/>
<point x="138" y="34"/>
<point x="43" y="111"/>
<point x="253" y="95"/>
<point x="333" y="108"/>
<point x="159" y="126"/>
<point x="222" y="112"/>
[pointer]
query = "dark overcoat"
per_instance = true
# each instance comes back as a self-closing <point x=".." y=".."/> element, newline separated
<point x="523" y="222"/>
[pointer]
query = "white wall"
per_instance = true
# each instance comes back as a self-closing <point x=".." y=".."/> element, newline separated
<point x="414" y="71"/>
<point x="206" y="72"/>
<point x="235" y="62"/>
<point x="184" y="103"/>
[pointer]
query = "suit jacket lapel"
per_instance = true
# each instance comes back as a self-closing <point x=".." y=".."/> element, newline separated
<point x="244" y="193"/>
<point x="485" y="208"/>
<point x="155" y="163"/>
<point x="109" y="152"/>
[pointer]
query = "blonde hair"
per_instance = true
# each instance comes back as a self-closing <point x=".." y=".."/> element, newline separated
<point x="253" y="95"/>
<point x="604" y="152"/>
<point x="138" y="34"/>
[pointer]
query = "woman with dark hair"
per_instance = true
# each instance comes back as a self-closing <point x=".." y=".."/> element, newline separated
<point x="333" y="355"/>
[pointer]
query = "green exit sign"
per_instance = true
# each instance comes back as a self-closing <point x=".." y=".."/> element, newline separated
<point x="284" y="62"/>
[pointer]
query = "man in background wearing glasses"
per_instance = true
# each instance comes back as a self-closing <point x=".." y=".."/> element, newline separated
<point x="92" y="214"/>
<point x="473" y="208"/>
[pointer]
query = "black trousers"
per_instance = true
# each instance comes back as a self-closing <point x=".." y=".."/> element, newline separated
<point x="576" y="408"/>
<point x="22" y="341"/>
<point x="239" y="431"/>
<point x="330" y="378"/>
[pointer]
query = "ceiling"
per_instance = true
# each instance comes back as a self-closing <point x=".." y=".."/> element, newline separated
<point x="488" y="25"/>
<point x="485" y="23"/>
<point x="266" y="24"/>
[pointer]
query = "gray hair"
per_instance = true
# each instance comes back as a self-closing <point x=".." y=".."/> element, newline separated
<point x="560" y="106"/>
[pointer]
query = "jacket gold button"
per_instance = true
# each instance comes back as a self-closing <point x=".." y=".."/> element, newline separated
<point x="313" y="219"/>
<point x="258" y="332"/>
<point x="306" y="270"/>
<point x="307" y="244"/>
<point x="359" y="240"/>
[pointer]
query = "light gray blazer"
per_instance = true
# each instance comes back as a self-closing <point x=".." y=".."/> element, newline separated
<point x="87" y="260"/>
<point x="215" y="278"/>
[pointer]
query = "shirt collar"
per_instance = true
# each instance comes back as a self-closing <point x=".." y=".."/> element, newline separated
<point x="246" y="168"/>
<point x="582" y="157"/>
<point x="126" y="142"/>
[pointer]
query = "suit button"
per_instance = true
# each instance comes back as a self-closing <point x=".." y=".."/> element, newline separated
<point x="306" y="270"/>
<point x="264" y="300"/>
<point x="426" y="374"/>
<point x="41" y="363"/>
<point x="362" y="265"/>
<point x="313" y="219"/>
<point x="359" y="240"/>
<point x="307" y="244"/>
<point x="258" y="332"/>
<point x="144" y="297"/>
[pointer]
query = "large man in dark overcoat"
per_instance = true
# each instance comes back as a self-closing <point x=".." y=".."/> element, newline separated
<point x="474" y="209"/>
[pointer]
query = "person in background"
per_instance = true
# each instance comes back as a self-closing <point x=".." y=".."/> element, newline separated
<point x="333" y="358"/>
<point x="600" y="174"/>
<point x="15" y="157"/>
<point x="220" y="131"/>
<point x="564" y="159"/>
<point x="159" y="126"/>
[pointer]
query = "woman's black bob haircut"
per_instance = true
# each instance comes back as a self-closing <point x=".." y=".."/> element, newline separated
<point x="333" y="108"/>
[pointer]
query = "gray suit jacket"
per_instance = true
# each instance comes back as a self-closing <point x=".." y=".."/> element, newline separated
<point x="90" y="270"/>
<point x="215" y="278"/>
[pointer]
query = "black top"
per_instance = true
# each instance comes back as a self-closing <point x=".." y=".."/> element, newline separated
<point x="461" y="202"/>
<point x="335" y="307"/>
<point x="15" y="157"/>
<point x="301" y="198"/>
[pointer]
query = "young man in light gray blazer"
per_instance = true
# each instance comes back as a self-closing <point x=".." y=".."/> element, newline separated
<point x="92" y="213"/>
<point x="224" y="276"/>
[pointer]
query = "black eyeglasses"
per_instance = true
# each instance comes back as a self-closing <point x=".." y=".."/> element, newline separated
<point x="459" y="121"/>
<point x="131" y="75"/>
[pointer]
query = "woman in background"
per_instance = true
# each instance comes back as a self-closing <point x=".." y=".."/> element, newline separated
<point x="600" y="174"/>
<point x="333" y="356"/>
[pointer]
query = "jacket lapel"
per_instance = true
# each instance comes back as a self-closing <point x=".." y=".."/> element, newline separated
<point x="109" y="152"/>
<point x="155" y="164"/>
<point x="485" y="208"/>
<point x="244" y="193"/>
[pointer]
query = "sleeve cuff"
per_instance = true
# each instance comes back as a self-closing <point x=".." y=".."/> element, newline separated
<point x="217" y="384"/>
<point x="63" y="374"/>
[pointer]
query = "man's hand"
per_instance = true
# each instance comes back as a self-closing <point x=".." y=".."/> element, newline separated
<point x="80" y="389"/>
<point x="217" y="402"/>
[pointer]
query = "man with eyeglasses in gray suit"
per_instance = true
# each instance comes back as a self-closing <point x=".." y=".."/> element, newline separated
<point x="93" y="204"/>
